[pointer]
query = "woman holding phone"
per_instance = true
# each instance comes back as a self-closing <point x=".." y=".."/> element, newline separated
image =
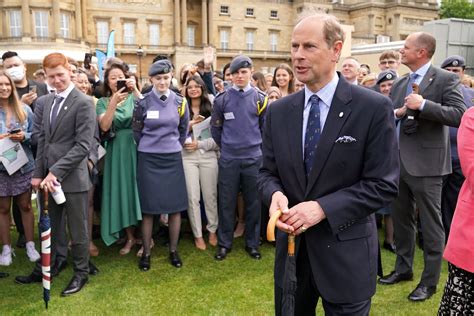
<point x="120" y="203"/>
<point x="160" y="127"/>
<point x="16" y="121"/>
<point x="200" y="165"/>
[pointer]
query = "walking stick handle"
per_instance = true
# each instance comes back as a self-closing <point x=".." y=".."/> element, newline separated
<point x="45" y="201"/>
<point x="271" y="225"/>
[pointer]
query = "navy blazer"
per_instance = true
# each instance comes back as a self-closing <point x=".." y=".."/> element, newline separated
<point x="350" y="180"/>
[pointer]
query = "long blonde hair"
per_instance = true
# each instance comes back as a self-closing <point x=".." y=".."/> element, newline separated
<point x="14" y="103"/>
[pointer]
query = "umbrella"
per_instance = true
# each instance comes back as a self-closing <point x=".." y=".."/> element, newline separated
<point x="45" y="230"/>
<point x="289" y="279"/>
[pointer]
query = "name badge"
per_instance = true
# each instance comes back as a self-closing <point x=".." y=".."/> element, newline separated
<point x="153" y="115"/>
<point x="229" y="116"/>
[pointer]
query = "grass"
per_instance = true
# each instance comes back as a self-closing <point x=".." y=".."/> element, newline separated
<point x="203" y="286"/>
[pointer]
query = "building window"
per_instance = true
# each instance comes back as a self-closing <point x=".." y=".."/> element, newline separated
<point x="41" y="23"/>
<point x="273" y="14"/>
<point x="154" y="29"/>
<point x="249" y="37"/>
<point x="64" y="25"/>
<point x="224" y="34"/>
<point x="191" y="35"/>
<point x="129" y="33"/>
<point x="102" y="32"/>
<point x="273" y="41"/>
<point x="224" y="9"/>
<point x="249" y="12"/>
<point x="15" y="23"/>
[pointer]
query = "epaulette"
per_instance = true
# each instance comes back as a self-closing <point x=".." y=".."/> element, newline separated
<point x="181" y="103"/>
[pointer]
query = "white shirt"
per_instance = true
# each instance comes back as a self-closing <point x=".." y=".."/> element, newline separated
<point x="325" y="95"/>
<point x="64" y="95"/>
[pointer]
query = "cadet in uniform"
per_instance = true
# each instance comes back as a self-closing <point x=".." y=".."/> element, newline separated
<point x="236" y="123"/>
<point x="160" y="124"/>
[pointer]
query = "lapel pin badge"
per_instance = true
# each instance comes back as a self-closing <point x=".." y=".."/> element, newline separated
<point x="341" y="114"/>
<point x="65" y="108"/>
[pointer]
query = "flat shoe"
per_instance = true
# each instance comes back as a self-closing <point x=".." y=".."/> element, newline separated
<point x="144" y="263"/>
<point x="213" y="239"/>
<point x="175" y="260"/>
<point x="199" y="243"/>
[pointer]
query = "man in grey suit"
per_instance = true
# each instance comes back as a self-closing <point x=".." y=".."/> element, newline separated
<point x="424" y="159"/>
<point x="64" y="144"/>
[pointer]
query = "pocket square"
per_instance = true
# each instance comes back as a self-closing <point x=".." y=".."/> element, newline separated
<point x="345" y="140"/>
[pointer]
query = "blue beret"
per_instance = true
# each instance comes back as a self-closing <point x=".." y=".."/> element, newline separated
<point x="240" y="61"/>
<point x="454" y="61"/>
<point x="386" y="75"/>
<point x="160" y="67"/>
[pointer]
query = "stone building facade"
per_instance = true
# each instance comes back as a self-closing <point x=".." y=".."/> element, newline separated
<point x="181" y="28"/>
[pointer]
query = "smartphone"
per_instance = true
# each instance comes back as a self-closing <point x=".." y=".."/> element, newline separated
<point x="87" y="60"/>
<point x="32" y="88"/>
<point x="15" y="131"/>
<point x="121" y="84"/>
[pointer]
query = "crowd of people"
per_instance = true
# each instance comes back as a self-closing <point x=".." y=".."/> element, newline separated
<point x="334" y="148"/>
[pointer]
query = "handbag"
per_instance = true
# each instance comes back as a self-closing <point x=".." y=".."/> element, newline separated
<point x="107" y="135"/>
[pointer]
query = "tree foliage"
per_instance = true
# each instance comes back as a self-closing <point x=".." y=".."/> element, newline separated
<point x="462" y="9"/>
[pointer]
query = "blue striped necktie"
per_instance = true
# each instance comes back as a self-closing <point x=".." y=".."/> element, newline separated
<point x="313" y="132"/>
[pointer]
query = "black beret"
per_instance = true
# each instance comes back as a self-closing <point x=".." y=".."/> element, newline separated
<point x="240" y="61"/>
<point x="160" y="67"/>
<point x="454" y="61"/>
<point x="386" y="75"/>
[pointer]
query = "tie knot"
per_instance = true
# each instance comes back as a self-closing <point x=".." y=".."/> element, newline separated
<point x="413" y="76"/>
<point x="58" y="99"/>
<point x="163" y="97"/>
<point x="314" y="99"/>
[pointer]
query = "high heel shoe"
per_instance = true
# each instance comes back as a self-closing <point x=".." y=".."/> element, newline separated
<point x="128" y="247"/>
<point x="140" y="252"/>
<point x="144" y="263"/>
<point x="175" y="259"/>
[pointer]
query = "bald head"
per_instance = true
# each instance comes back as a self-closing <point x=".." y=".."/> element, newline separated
<point x="425" y="41"/>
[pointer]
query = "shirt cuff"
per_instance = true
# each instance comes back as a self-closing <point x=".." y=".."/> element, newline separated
<point x="422" y="106"/>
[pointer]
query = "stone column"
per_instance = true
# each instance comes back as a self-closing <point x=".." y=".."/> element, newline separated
<point x="84" y="20"/>
<point x="396" y="27"/>
<point x="26" y="18"/>
<point x="177" y="30"/>
<point x="210" y="32"/>
<point x="184" y="23"/>
<point x="204" y="22"/>
<point x="78" y="17"/>
<point x="371" y="25"/>
<point x="56" y="19"/>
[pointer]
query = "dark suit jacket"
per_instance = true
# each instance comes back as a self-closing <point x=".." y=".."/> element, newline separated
<point x="349" y="180"/>
<point x="64" y="151"/>
<point x="427" y="152"/>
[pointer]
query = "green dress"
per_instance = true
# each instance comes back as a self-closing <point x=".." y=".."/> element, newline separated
<point x="120" y="202"/>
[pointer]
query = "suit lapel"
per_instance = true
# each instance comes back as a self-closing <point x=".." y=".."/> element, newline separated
<point x="334" y="122"/>
<point x="427" y="79"/>
<point x="399" y="100"/>
<point x="47" y="113"/>
<point x="66" y="105"/>
<point x="295" y="136"/>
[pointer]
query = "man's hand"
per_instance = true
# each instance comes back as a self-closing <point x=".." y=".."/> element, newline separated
<point x="280" y="201"/>
<point x="35" y="183"/>
<point x="28" y="98"/>
<point x="413" y="101"/>
<point x="303" y="215"/>
<point x="50" y="181"/>
<point x="400" y="112"/>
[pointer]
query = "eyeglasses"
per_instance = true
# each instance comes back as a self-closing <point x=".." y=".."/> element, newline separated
<point x="193" y="87"/>
<point x="388" y="62"/>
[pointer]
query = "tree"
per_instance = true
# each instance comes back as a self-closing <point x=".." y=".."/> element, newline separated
<point x="462" y="9"/>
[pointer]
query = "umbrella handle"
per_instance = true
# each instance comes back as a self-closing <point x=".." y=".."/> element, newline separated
<point x="45" y="201"/>
<point x="271" y="225"/>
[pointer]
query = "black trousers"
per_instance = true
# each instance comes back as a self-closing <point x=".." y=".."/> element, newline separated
<point x="452" y="184"/>
<point x="307" y="293"/>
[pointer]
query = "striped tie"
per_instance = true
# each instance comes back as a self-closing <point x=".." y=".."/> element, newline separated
<point x="313" y="132"/>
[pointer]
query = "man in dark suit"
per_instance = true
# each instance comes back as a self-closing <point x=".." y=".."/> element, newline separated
<point x="424" y="159"/>
<point x="329" y="155"/>
<point x="64" y="144"/>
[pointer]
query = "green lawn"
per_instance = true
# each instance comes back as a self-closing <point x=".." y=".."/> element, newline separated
<point x="235" y="286"/>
